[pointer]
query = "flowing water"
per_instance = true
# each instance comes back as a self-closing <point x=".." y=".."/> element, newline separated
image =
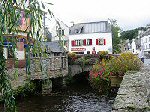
<point x="77" y="98"/>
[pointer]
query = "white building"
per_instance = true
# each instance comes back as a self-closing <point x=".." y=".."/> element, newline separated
<point x="145" y="41"/>
<point x="86" y="37"/>
<point x="59" y="31"/>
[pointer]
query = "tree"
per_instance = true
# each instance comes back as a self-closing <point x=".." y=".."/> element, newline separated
<point x="115" y="36"/>
<point x="131" y="34"/>
<point x="10" y="14"/>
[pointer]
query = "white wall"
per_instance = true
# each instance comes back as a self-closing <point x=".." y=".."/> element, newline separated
<point x="5" y="53"/>
<point x="54" y="32"/>
<point x="145" y="42"/>
<point x="134" y="51"/>
<point x="93" y="36"/>
<point x="20" y="55"/>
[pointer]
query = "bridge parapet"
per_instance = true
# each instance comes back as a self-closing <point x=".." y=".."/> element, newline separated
<point x="51" y="67"/>
<point x="134" y="92"/>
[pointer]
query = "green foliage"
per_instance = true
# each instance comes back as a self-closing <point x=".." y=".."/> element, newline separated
<point x="125" y="62"/>
<point x="130" y="34"/>
<point x="116" y="39"/>
<point x="72" y="55"/>
<point x="103" y="54"/>
<point x="100" y="85"/>
<point x="10" y="14"/>
<point x="100" y="76"/>
<point x="115" y="36"/>
<point x="5" y="85"/>
<point x="24" y="90"/>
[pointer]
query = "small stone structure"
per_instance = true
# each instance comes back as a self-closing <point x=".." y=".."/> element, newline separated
<point x="134" y="92"/>
<point x="54" y="65"/>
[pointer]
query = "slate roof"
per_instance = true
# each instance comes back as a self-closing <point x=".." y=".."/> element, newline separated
<point x="54" y="46"/>
<point x="146" y="33"/>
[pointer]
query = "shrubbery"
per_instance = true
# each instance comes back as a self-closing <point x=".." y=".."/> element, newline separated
<point x="123" y="63"/>
<point x="116" y="66"/>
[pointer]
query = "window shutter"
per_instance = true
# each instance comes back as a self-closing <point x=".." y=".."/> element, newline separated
<point x="104" y="41"/>
<point x="90" y="41"/>
<point x="96" y="41"/>
<point x="84" y="42"/>
<point x="73" y="43"/>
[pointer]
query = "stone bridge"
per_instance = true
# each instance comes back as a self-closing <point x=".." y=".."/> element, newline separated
<point x="134" y="92"/>
<point x="50" y="69"/>
<point x="77" y="69"/>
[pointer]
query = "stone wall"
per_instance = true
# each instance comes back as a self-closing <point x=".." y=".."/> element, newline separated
<point x="18" y="78"/>
<point x="44" y="68"/>
<point x="134" y="92"/>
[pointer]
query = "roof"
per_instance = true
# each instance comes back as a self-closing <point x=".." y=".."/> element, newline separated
<point x="54" y="46"/>
<point x="146" y="33"/>
<point x="90" y="27"/>
<point x="91" y="22"/>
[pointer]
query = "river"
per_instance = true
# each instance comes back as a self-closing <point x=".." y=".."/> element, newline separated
<point x="78" y="97"/>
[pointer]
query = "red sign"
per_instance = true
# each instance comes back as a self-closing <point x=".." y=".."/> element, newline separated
<point x="78" y="49"/>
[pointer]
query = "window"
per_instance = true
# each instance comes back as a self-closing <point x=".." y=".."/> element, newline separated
<point x="56" y="54"/>
<point x="101" y="41"/>
<point x="89" y="42"/>
<point x="88" y="52"/>
<point x="77" y="42"/>
<point x="61" y="32"/>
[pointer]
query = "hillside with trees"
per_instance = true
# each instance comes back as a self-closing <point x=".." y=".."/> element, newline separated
<point x="131" y="34"/>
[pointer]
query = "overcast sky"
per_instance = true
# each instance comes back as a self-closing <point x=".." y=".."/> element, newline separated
<point x="128" y="13"/>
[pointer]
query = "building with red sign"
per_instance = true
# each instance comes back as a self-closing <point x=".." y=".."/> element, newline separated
<point x="92" y="36"/>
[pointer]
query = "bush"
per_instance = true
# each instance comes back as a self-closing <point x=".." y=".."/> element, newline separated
<point x="24" y="90"/>
<point x="103" y="54"/>
<point x="71" y="58"/>
<point x="123" y="63"/>
<point x="118" y="66"/>
<point x="99" y="77"/>
<point x="100" y="85"/>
